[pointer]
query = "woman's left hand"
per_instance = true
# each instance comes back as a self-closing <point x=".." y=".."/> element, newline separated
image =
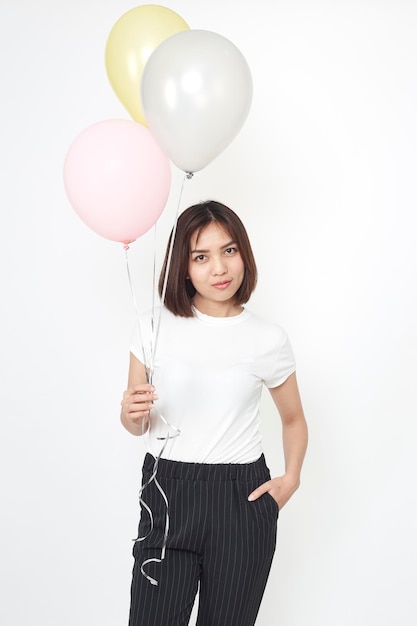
<point x="280" y="488"/>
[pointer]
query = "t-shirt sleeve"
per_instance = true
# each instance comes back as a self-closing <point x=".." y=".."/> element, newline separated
<point x="282" y="361"/>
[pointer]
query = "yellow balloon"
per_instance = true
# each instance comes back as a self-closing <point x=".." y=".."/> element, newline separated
<point x="131" y="42"/>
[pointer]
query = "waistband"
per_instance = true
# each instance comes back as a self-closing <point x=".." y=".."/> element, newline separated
<point x="257" y="470"/>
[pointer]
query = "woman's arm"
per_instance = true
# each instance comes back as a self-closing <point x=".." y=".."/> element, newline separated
<point x="294" y="437"/>
<point x="137" y="399"/>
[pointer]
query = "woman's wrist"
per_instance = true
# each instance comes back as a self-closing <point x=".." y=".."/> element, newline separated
<point x="293" y="477"/>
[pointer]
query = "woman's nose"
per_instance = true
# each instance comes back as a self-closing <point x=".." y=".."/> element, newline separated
<point x="219" y="267"/>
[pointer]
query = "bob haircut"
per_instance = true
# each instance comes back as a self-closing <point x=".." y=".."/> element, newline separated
<point x="179" y="290"/>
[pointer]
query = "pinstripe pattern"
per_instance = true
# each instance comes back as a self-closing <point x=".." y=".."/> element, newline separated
<point x="217" y="540"/>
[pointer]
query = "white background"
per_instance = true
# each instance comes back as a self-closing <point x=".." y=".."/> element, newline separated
<point x="323" y="174"/>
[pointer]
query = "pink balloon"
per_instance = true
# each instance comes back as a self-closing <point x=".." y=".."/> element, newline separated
<point x="117" y="179"/>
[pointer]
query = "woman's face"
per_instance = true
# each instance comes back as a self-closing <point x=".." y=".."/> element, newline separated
<point x="216" y="271"/>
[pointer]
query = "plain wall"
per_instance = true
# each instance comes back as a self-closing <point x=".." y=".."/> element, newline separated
<point x="323" y="174"/>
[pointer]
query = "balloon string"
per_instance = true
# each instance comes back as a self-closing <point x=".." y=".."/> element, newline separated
<point x="135" y="306"/>
<point x="153" y="284"/>
<point x="149" y="370"/>
<point x="187" y="176"/>
<point x="153" y="478"/>
<point x="165" y="439"/>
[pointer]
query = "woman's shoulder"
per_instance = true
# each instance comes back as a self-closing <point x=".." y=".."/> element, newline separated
<point x="264" y="323"/>
<point x="268" y="334"/>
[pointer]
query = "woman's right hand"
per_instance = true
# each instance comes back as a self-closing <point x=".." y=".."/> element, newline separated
<point x="136" y="405"/>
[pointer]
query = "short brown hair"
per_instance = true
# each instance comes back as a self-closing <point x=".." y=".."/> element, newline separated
<point x="180" y="290"/>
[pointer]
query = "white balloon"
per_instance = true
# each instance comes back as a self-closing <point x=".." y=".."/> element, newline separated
<point x="196" y="94"/>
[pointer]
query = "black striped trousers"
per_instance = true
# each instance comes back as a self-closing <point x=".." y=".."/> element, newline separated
<point x="217" y="540"/>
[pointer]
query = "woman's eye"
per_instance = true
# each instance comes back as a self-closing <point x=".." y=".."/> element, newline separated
<point x="200" y="257"/>
<point x="230" y="250"/>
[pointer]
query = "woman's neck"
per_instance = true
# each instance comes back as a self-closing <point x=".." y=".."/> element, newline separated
<point x="217" y="309"/>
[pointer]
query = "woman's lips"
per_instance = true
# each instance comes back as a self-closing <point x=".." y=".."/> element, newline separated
<point x="223" y="285"/>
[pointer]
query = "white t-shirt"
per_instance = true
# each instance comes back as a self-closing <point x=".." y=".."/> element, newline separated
<point x="208" y="374"/>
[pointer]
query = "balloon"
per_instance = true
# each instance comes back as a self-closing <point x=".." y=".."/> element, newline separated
<point x="132" y="40"/>
<point x="117" y="179"/>
<point x="196" y="94"/>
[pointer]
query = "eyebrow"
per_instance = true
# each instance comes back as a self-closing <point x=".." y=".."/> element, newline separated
<point x="227" y="245"/>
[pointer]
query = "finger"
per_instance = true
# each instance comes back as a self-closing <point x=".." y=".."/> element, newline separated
<point x="140" y="398"/>
<point x="133" y="399"/>
<point x="138" y="413"/>
<point x="143" y="388"/>
<point x="139" y="417"/>
<point x="140" y="407"/>
<point x="258" y="492"/>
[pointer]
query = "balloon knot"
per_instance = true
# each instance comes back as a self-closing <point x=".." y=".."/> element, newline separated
<point x="189" y="175"/>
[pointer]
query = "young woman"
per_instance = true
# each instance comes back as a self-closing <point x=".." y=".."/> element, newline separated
<point x="212" y="358"/>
